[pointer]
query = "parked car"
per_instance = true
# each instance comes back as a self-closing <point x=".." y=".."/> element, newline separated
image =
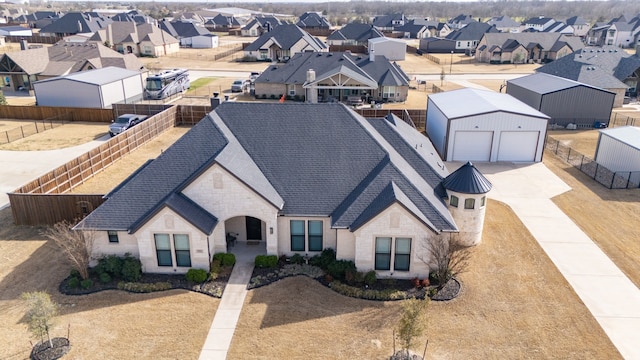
<point x="124" y="122"/>
<point x="239" y="85"/>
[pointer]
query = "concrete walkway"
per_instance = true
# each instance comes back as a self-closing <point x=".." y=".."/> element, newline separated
<point x="224" y="323"/>
<point x="609" y="295"/>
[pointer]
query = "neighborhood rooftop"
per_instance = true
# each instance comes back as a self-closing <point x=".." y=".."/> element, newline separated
<point x="545" y="83"/>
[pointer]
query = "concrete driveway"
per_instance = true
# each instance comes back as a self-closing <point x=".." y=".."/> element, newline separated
<point x="609" y="295"/>
<point x="20" y="167"/>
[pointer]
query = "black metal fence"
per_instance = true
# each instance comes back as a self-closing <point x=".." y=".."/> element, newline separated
<point x="604" y="176"/>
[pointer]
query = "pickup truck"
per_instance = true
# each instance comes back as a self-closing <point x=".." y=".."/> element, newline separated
<point x="124" y="122"/>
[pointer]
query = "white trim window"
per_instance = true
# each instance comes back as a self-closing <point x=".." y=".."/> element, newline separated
<point x="170" y="252"/>
<point x="393" y="253"/>
<point x="306" y="238"/>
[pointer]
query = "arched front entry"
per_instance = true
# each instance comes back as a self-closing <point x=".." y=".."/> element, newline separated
<point x="245" y="230"/>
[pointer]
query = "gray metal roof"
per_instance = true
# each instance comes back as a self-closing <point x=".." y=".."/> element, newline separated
<point x="317" y="159"/>
<point x="467" y="180"/>
<point x="478" y="102"/>
<point x="629" y="135"/>
<point x="543" y="83"/>
<point x="97" y="76"/>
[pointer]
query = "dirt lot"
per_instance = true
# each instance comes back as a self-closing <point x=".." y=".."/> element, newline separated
<point x="583" y="141"/>
<point x="515" y="305"/>
<point x="106" y="325"/>
<point x="61" y="136"/>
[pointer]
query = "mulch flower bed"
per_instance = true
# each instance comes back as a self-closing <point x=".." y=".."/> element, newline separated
<point x="43" y="350"/>
<point x="213" y="288"/>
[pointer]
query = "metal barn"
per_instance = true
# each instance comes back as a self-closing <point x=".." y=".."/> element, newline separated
<point x="393" y="49"/>
<point x="618" y="150"/>
<point x="481" y="125"/>
<point x="564" y="101"/>
<point x="98" y="88"/>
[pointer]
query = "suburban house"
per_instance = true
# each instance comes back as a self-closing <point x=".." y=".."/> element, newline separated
<point x="282" y="42"/>
<point x="293" y="178"/>
<point x="311" y="21"/>
<point x="609" y="68"/>
<point x="134" y="16"/>
<point x="540" y="47"/>
<point x="36" y="18"/>
<point x="389" y="22"/>
<point x="190" y="34"/>
<point x="76" y="23"/>
<point x="437" y="45"/>
<point x="421" y="29"/>
<point x="580" y="26"/>
<point x="354" y="34"/>
<point x="260" y="25"/>
<point x="460" y="21"/>
<point x="62" y="58"/>
<point x="139" y="39"/>
<point x="222" y="22"/>
<point x="504" y="24"/>
<point x="335" y="76"/>
<point x="16" y="30"/>
<point x="539" y="23"/>
<point x="617" y="32"/>
<point x="467" y="38"/>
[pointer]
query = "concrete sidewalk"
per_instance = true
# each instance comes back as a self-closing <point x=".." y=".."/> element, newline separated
<point x="224" y="323"/>
<point x="20" y="167"/>
<point x="609" y="295"/>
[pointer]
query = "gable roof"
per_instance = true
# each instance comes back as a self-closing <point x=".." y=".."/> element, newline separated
<point x="355" y="31"/>
<point x="480" y="102"/>
<point x="262" y="21"/>
<point x="387" y="20"/>
<point x="605" y="67"/>
<point x="100" y="76"/>
<point x="75" y="22"/>
<point x="286" y="36"/>
<point x="381" y="70"/>
<point x="545" y="40"/>
<point x="543" y="83"/>
<point x="503" y="22"/>
<point x="473" y="31"/>
<point x="540" y="20"/>
<point x="412" y="28"/>
<point x="311" y="165"/>
<point x="629" y="135"/>
<point x="576" y="20"/>
<point x="313" y="19"/>
<point x="183" y="29"/>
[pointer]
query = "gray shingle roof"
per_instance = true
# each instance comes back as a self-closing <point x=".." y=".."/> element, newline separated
<point x="286" y="36"/>
<point x="355" y="31"/>
<point x="467" y="180"/>
<point x="319" y="159"/>
<point x="387" y="20"/>
<point x="473" y="31"/>
<point x="545" y="40"/>
<point x="75" y="22"/>
<point x="183" y="29"/>
<point x="503" y="21"/>
<point x="314" y="20"/>
<point x="538" y="21"/>
<point x="576" y="20"/>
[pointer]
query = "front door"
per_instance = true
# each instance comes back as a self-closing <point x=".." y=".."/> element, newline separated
<point x="254" y="228"/>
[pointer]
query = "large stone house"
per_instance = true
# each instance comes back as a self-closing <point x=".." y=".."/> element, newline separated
<point x="282" y="42"/>
<point x="295" y="178"/>
<point x="140" y="39"/>
<point x="525" y="47"/>
<point x="354" y="34"/>
<point x="335" y="76"/>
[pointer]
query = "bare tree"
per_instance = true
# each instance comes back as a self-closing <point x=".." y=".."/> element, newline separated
<point x="75" y="244"/>
<point x="411" y="325"/>
<point x="446" y="255"/>
<point x="40" y="313"/>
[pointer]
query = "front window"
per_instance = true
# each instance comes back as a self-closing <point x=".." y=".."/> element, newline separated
<point x="383" y="253"/>
<point x="163" y="249"/>
<point x="113" y="236"/>
<point x="315" y="235"/>
<point x="469" y="203"/>
<point x="297" y="235"/>
<point x="393" y="253"/>
<point x="403" y="254"/>
<point x="183" y="253"/>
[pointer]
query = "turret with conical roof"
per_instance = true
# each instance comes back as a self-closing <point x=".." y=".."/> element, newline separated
<point x="466" y="191"/>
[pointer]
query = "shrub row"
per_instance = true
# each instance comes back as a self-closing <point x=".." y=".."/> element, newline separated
<point x="266" y="261"/>
<point x="143" y="287"/>
<point x="225" y="259"/>
<point x="369" y="294"/>
<point x="127" y="268"/>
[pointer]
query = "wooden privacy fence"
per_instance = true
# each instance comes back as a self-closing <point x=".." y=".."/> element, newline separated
<point x="414" y="117"/>
<point x="47" y="210"/>
<point x="56" y="112"/>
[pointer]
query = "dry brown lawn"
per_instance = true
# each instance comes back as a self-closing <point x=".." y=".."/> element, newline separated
<point x="105" y="325"/>
<point x="515" y="305"/>
<point x="609" y="217"/>
<point x="67" y="135"/>
<point x="113" y="175"/>
<point x="583" y="141"/>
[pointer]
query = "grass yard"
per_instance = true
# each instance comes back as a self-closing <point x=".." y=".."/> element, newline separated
<point x="106" y="325"/>
<point x="515" y="305"/>
<point x="583" y="141"/>
<point x="67" y="135"/>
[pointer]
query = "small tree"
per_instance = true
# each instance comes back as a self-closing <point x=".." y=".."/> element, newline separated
<point x="443" y="74"/>
<point x="446" y="255"/>
<point x="411" y="324"/>
<point x="75" y="244"/>
<point x="40" y="313"/>
<point x="517" y="59"/>
<point x="3" y="100"/>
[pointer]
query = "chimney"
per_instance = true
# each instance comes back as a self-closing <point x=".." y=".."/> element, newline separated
<point x="215" y="100"/>
<point x="312" y="92"/>
<point x="372" y="55"/>
<point x="79" y="26"/>
<point x="24" y="44"/>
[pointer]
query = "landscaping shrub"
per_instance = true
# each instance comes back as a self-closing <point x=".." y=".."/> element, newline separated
<point x="264" y="96"/>
<point x="111" y="265"/>
<point x="73" y="283"/>
<point x="143" y="287"/>
<point x="131" y="268"/>
<point x="326" y="257"/>
<point x="266" y="261"/>
<point x="218" y="256"/>
<point x="228" y="259"/>
<point x="86" y="283"/>
<point x="196" y="275"/>
<point x="104" y="277"/>
<point x="356" y="292"/>
<point x="297" y="259"/>
<point x="283" y="260"/>
<point x="338" y="268"/>
<point x="74" y="273"/>
<point x="370" y="278"/>
<point x="216" y="266"/>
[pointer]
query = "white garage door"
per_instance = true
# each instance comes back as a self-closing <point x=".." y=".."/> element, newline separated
<point x="472" y="145"/>
<point x="518" y="145"/>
